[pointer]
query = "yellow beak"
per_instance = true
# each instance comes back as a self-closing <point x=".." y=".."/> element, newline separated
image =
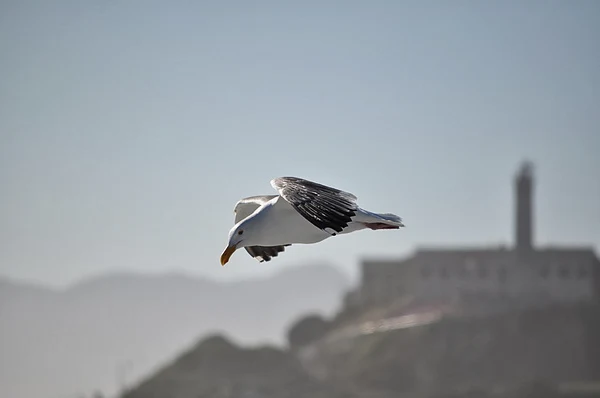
<point x="227" y="253"/>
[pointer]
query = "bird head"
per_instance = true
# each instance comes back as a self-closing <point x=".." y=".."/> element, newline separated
<point x="237" y="239"/>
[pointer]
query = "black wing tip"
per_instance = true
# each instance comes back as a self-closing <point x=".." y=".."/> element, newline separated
<point x="265" y="253"/>
<point x="323" y="206"/>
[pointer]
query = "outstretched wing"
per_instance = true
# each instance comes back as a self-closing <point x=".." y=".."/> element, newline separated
<point x="243" y="209"/>
<point x="325" y="207"/>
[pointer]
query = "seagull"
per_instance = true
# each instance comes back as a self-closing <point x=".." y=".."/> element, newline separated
<point x="304" y="212"/>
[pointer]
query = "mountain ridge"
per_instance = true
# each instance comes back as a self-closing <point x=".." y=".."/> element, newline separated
<point x="94" y="325"/>
<point x="8" y="281"/>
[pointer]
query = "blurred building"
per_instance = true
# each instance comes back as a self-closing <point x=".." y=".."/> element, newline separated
<point x="521" y="275"/>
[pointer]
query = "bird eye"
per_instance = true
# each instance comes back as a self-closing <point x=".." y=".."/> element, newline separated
<point x="240" y="232"/>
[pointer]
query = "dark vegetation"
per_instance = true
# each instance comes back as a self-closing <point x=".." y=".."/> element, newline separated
<point x="218" y="368"/>
<point x="512" y="355"/>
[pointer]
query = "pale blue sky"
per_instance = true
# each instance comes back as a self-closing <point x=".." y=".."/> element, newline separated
<point x="129" y="129"/>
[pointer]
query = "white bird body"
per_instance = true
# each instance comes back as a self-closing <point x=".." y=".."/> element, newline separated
<point x="278" y="224"/>
<point x="304" y="212"/>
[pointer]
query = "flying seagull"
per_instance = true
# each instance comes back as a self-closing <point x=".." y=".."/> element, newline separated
<point x="304" y="212"/>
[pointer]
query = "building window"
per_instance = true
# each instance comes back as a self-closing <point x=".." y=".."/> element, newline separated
<point x="367" y="276"/>
<point x="483" y="272"/>
<point x="470" y="265"/>
<point x="502" y="274"/>
<point x="582" y="271"/>
<point x="444" y="272"/>
<point x="564" y="271"/>
<point x="425" y="272"/>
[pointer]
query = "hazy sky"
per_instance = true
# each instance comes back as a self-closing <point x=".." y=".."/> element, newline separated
<point x="129" y="129"/>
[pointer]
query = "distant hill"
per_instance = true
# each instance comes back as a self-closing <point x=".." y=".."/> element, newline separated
<point x="515" y="350"/>
<point x="546" y="352"/>
<point x="216" y="367"/>
<point x="58" y="344"/>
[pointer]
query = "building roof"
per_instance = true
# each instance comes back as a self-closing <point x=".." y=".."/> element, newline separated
<point x="491" y="256"/>
<point x="527" y="252"/>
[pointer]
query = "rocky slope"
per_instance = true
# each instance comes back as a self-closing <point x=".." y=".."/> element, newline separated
<point x="216" y="368"/>
<point x="552" y="345"/>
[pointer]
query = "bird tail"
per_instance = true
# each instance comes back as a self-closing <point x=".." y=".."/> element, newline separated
<point x="379" y="220"/>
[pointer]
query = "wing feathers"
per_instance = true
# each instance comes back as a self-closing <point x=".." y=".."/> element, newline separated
<point x="246" y="206"/>
<point x="325" y="207"/>
<point x="265" y="253"/>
